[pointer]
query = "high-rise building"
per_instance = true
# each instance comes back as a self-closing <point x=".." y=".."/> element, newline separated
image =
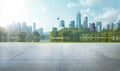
<point x="92" y="26"/>
<point x="30" y="29"/>
<point x="108" y="27"/>
<point x="24" y="27"/>
<point x="72" y="24"/>
<point x="34" y="27"/>
<point x="41" y="31"/>
<point x="18" y="27"/>
<point x="62" y="24"/>
<point x="78" y="21"/>
<point x="54" y="29"/>
<point x="111" y="26"/>
<point x="118" y="24"/>
<point x="85" y="22"/>
<point x="114" y="26"/>
<point x="98" y="26"/>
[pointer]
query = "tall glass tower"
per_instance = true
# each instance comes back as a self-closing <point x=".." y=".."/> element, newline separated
<point x="34" y="27"/>
<point x="62" y="24"/>
<point x="78" y="21"/>
<point x="99" y="26"/>
<point x="85" y="22"/>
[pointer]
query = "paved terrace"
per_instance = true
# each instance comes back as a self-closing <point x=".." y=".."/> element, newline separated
<point x="60" y="57"/>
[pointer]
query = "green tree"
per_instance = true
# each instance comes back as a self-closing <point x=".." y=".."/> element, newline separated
<point x="3" y="35"/>
<point x="36" y="37"/>
<point x="22" y="36"/>
<point x="53" y="36"/>
<point x="1" y="32"/>
<point x="28" y="37"/>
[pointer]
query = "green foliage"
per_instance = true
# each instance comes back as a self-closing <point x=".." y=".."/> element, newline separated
<point x="1" y="32"/>
<point x="22" y="36"/>
<point x="85" y="35"/>
<point x="36" y="37"/>
<point x="3" y="35"/>
<point x="28" y="37"/>
<point x="54" y="34"/>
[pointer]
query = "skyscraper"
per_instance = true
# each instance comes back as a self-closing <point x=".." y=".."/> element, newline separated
<point x="99" y="26"/>
<point x="24" y="27"/>
<point x="41" y="31"/>
<point x="85" y="22"/>
<point x="114" y="26"/>
<point x="72" y="24"/>
<point x="118" y="24"/>
<point x="34" y="27"/>
<point x="92" y="26"/>
<point x="18" y="27"/>
<point x="78" y="20"/>
<point x="30" y="29"/>
<point x="108" y="27"/>
<point x="111" y="26"/>
<point x="62" y="24"/>
<point x="54" y="29"/>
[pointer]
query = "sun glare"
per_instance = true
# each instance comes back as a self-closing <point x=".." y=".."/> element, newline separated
<point x="12" y="10"/>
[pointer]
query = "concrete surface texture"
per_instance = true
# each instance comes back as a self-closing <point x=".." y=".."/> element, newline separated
<point x="60" y="57"/>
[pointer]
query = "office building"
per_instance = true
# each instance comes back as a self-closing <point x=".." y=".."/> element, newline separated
<point x="30" y="29"/>
<point x="78" y="21"/>
<point x="85" y="22"/>
<point x="62" y="24"/>
<point x="54" y="29"/>
<point x="111" y="26"/>
<point x="34" y="27"/>
<point x="114" y="26"/>
<point x="108" y="27"/>
<point x="41" y="31"/>
<point x="72" y="24"/>
<point x="118" y="24"/>
<point x="18" y="27"/>
<point x="24" y="27"/>
<point x="92" y="26"/>
<point x="98" y="26"/>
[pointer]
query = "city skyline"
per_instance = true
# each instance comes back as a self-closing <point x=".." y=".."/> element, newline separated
<point x="45" y="12"/>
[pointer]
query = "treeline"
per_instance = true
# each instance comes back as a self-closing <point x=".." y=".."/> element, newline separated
<point x="21" y="36"/>
<point x="84" y="35"/>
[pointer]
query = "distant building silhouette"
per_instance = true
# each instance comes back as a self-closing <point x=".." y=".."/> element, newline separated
<point x="24" y="27"/>
<point x="54" y="29"/>
<point x="118" y="24"/>
<point x="108" y="27"/>
<point x="40" y="31"/>
<point x="114" y="26"/>
<point x="111" y="26"/>
<point x="92" y="26"/>
<point x="30" y="29"/>
<point x="72" y="24"/>
<point x="85" y="22"/>
<point x="98" y="26"/>
<point x="78" y="21"/>
<point x="62" y="24"/>
<point x="18" y="27"/>
<point x="34" y="27"/>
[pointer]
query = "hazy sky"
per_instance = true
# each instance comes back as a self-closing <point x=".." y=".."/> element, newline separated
<point x="45" y="12"/>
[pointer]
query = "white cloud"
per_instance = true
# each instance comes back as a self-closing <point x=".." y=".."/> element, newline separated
<point x="87" y="12"/>
<point x="72" y="4"/>
<point x="110" y="16"/>
<point x="90" y="2"/>
<point x="87" y="2"/>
